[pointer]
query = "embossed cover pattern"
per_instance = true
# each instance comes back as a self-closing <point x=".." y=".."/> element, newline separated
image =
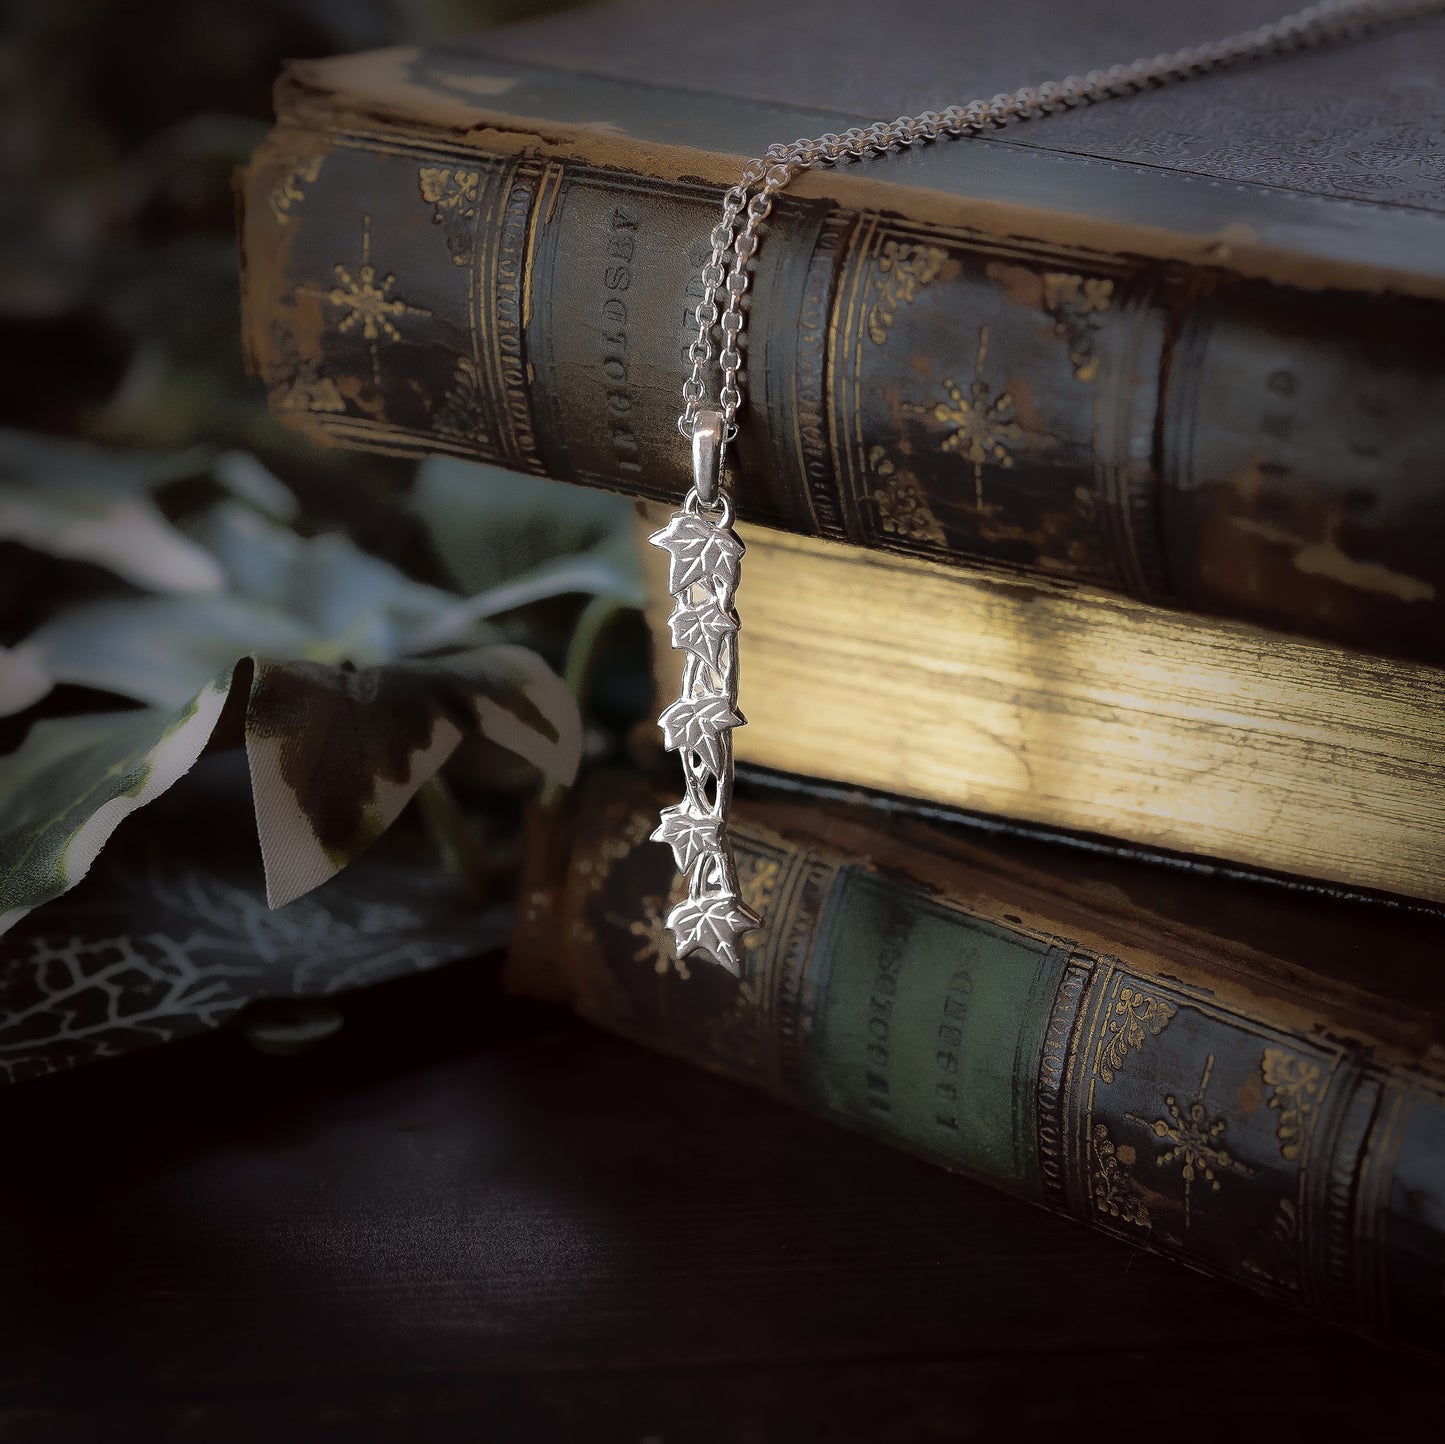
<point x="1252" y="435"/>
<point x="1079" y="1041"/>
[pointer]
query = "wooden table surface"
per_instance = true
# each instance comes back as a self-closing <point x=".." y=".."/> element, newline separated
<point x="474" y="1219"/>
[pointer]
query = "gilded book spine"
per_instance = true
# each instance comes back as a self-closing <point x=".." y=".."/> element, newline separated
<point x="1195" y="440"/>
<point x="1165" y="1090"/>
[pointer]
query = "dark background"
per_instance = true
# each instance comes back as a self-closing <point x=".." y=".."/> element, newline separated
<point x="123" y="124"/>
<point x="465" y="1217"/>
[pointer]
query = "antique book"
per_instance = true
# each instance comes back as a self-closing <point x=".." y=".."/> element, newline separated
<point x="1248" y="1078"/>
<point x="1082" y="711"/>
<point x="1181" y="347"/>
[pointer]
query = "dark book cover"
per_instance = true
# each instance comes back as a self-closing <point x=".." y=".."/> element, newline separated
<point x="1244" y="1077"/>
<point x="1180" y="345"/>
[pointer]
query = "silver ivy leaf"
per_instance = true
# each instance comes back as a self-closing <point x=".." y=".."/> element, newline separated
<point x="703" y="629"/>
<point x="701" y="552"/>
<point x="696" y="724"/>
<point x="715" y="924"/>
<point x="689" y="835"/>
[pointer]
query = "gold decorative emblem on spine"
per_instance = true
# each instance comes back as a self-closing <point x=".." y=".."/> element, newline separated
<point x="311" y="391"/>
<point x="452" y="194"/>
<point x="1076" y="303"/>
<point x="290" y="190"/>
<point x="1295" y="1086"/>
<point x="903" y="270"/>
<point x="1111" y="1185"/>
<point x="1136" y="1016"/>
<point x="758" y="883"/>
<point x="298" y="382"/>
<point x="903" y="509"/>
<point x="612" y="849"/>
<point x="363" y="295"/>
<point x="982" y="425"/>
<point x="1285" y="1227"/>
<point x="1195" y="1140"/>
<point x="654" y="940"/>
<point x="463" y="411"/>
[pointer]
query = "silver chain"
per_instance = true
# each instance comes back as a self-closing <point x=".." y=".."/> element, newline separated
<point x="752" y="198"/>
<point x="713" y="918"/>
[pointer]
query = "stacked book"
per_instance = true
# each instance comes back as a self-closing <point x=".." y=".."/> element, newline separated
<point x="1094" y="601"/>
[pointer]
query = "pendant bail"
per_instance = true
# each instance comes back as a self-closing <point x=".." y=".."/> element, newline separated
<point x="707" y="449"/>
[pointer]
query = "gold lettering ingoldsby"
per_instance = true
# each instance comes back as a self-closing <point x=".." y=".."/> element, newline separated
<point x="878" y="1028"/>
<point x="949" y="1051"/>
<point x="616" y="278"/>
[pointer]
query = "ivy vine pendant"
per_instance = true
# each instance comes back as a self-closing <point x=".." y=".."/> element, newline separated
<point x="705" y="559"/>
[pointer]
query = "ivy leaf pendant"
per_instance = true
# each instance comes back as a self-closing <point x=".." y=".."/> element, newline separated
<point x="715" y="924"/>
<point x="691" y="837"/>
<point x="704" y="629"/>
<point x="702" y="551"/>
<point x="703" y="574"/>
<point x="697" y="724"/>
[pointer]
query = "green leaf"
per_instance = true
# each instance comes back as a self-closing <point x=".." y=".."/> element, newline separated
<point x="247" y="480"/>
<point x="32" y="456"/>
<point x="169" y="934"/>
<point x="84" y="504"/>
<point x="340" y="734"/>
<point x="24" y="678"/>
<point x="68" y="786"/>
<point x="609" y="570"/>
<point x="317" y="599"/>
<point x="284" y="597"/>
<point x="162" y="650"/>
<point x="127" y="535"/>
<point x="336" y="754"/>
<point x="492" y="526"/>
<point x="353" y="606"/>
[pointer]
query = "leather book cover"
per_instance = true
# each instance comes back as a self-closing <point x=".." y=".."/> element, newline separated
<point x="1248" y="1078"/>
<point x="1180" y="346"/>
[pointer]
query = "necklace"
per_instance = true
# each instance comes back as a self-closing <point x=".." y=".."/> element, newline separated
<point x="705" y="553"/>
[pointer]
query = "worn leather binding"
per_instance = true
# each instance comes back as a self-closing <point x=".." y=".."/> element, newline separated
<point x="1226" y="398"/>
<point x="1250" y="1081"/>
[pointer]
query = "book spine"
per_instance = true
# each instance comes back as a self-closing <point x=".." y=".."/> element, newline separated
<point x="1217" y="1123"/>
<point x="1189" y="439"/>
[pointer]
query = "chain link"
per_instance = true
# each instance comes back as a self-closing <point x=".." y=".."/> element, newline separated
<point x="729" y="265"/>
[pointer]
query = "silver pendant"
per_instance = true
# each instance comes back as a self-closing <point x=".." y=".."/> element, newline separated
<point x="706" y="555"/>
